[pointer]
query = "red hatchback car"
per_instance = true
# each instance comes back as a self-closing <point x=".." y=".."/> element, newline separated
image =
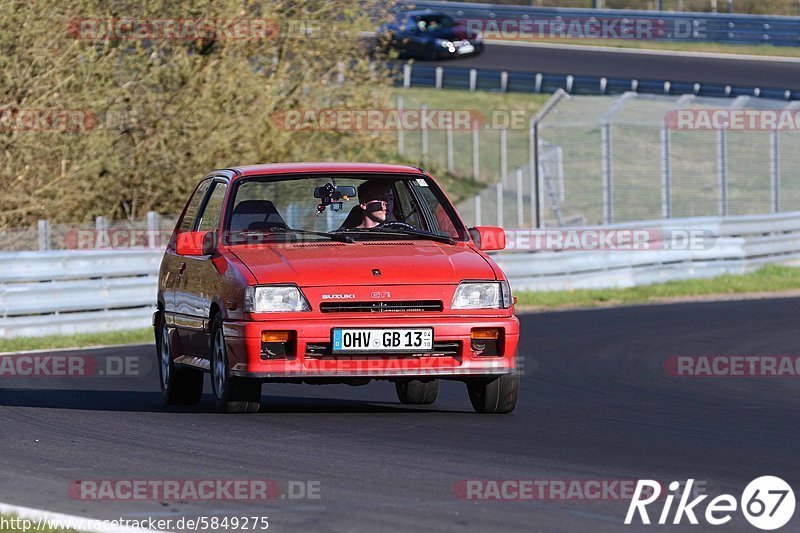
<point x="332" y="273"/>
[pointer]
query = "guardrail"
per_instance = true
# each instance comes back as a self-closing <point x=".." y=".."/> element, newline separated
<point x="542" y="83"/>
<point x="680" y="26"/>
<point x="63" y="292"/>
<point x="740" y="244"/>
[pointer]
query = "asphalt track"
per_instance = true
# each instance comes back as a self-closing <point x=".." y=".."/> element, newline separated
<point x="595" y="404"/>
<point x="656" y="66"/>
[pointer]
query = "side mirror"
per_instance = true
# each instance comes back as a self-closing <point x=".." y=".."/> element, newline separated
<point x="191" y="243"/>
<point x="210" y="243"/>
<point x="488" y="238"/>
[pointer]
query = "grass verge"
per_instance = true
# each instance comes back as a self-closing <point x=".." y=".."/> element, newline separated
<point x="770" y="279"/>
<point x="81" y="340"/>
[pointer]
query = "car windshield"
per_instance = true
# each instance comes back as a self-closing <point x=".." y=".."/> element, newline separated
<point x="341" y="207"/>
<point x="433" y="22"/>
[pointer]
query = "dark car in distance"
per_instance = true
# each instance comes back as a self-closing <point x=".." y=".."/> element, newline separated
<point x="429" y="35"/>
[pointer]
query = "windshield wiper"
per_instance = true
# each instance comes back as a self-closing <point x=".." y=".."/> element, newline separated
<point x="280" y="230"/>
<point x="403" y="233"/>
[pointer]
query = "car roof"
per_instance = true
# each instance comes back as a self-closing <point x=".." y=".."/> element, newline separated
<point x="322" y="168"/>
<point x="418" y="12"/>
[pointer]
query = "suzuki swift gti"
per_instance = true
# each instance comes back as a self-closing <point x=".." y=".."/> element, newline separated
<point x="332" y="273"/>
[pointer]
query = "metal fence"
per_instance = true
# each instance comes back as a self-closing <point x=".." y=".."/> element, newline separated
<point x="589" y="160"/>
<point x="731" y="28"/>
<point x="76" y="291"/>
<point x="62" y="292"/>
<point x="150" y="232"/>
<point x="627" y="158"/>
<point x="462" y="78"/>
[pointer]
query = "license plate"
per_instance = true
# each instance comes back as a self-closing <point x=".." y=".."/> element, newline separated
<point x="373" y="340"/>
<point x="465" y="49"/>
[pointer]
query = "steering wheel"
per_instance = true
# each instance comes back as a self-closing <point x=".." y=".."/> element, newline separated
<point x="396" y="224"/>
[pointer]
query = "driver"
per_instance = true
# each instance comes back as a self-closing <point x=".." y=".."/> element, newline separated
<point x="376" y="202"/>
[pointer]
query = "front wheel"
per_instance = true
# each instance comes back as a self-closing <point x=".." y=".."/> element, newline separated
<point x="494" y="394"/>
<point x="416" y="392"/>
<point x="178" y="386"/>
<point x="231" y="394"/>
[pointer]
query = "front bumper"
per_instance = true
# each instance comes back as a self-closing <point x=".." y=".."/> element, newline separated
<point x="452" y="357"/>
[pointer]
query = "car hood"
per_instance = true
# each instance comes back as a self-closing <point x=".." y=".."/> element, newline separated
<point x="400" y="262"/>
<point x="455" y="33"/>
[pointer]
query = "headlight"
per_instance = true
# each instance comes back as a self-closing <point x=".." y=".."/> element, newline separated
<point x="482" y="295"/>
<point x="446" y="44"/>
<point x="274" y="299"/>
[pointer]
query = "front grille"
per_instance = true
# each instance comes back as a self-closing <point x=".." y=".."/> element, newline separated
<point x="321" y="349"/>
<point x="414" y="306"/>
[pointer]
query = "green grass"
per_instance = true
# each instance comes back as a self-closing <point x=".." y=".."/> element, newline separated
<point x="770" y="279"/>
<point x="80" y="340"/>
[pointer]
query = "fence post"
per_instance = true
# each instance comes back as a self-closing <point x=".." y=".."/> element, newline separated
<point x="504" y="82"/>
<point x="101" y="228"/>
<point x="473" y="79"/>
<point x="439" y="76"/>
<point x="424" y="108"/>
<point x="500" y="203"/>
<point x="44" y="235"/>
<point x="537" y="200"/>
<point x="401" y="144"/>
<point x="406" y="75"/>
<point x="476" y="171"/>
<point x="666" y="173"/>
<point x="450" y="156"/>
<point x="153" y="233"/>
<point x="608" y="193"/>
<point x="775" y="171"/>
<point x="533" y="170"/>
<point x="722" y="171"/>
<point x="504" y="155"/>
<point x="477" y="209"/>
<point x="520" y="201"/>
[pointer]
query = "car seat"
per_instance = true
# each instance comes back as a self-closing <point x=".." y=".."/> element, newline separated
<point x="256" y="215"/>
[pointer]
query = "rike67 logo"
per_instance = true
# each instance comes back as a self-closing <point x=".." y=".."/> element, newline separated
<point x="767" y="503"/>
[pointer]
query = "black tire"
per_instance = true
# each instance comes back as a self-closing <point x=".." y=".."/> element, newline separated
<point x="494" y="394"/>
<point x="231" y="394"/>
<point x="416" y="392"/>
<point x="179" y="386"/>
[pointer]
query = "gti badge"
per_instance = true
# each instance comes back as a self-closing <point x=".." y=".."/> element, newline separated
<point x="386" y="295"/>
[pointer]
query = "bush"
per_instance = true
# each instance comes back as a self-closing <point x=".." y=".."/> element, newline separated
<point x="158" y="113"/>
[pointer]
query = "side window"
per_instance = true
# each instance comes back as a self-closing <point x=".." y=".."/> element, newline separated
<point x="408" y="210"/>
<point x="209" y="218"/>
<point x="441" y="223"/>
<point x="190" y="216"/>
